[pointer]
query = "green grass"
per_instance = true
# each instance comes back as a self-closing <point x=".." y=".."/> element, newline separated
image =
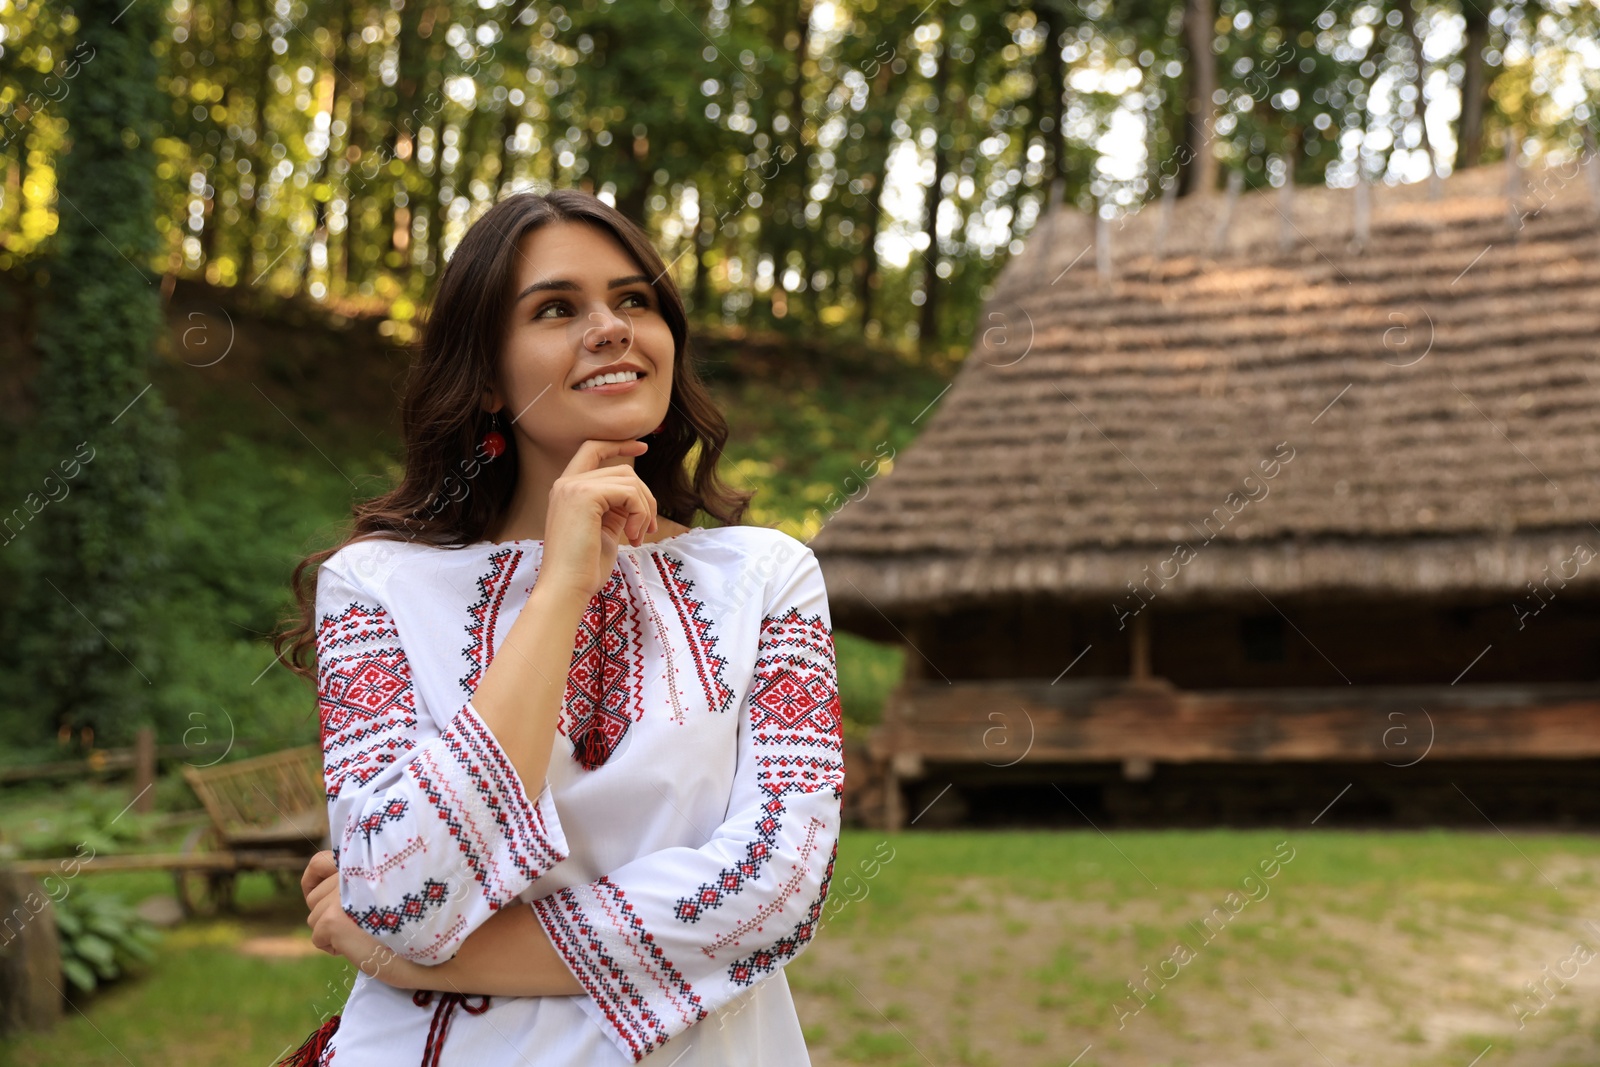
<point x="201" y="1001"/>
<point x="884" y="973"/>
<point x="1096" y="910"/>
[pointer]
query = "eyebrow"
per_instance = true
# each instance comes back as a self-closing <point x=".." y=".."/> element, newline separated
<point x="569" y="286"/>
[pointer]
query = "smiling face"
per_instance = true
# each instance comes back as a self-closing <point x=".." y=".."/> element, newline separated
<point x="581" y="307"/>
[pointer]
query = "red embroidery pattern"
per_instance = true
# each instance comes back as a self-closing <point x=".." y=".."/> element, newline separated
<point x="798" y="733"/>
<point x="416" y="846"/>
<point x="731" y="880"/>
<point x="697" y="630"/>
<point x="607" y="675"/>
<point x="752" y="967"/>
<point x="580" y="944"/>
<point x="517" y="836"/>
<point x="364" y="695"/>
<point x="790" y="886"/>
<point x="413" y="906"/>
<point x="794" y="707"/>
<point x="376" y="820"/>
<point x="483" y="614"/>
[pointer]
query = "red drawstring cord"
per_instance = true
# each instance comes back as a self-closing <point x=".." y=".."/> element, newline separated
<point x="441" y="1019"/>
<point x="312" y="1049"/>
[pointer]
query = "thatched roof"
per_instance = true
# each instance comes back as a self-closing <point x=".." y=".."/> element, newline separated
<point x="1438" y="387"/>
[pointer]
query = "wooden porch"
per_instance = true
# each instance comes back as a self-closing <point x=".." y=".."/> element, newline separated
<point x="996" y="725"/>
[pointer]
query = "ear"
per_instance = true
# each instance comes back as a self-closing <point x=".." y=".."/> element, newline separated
<point x="491" y="400"/>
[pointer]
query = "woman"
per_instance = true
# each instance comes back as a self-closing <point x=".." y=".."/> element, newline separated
<point x="583" y="761"/>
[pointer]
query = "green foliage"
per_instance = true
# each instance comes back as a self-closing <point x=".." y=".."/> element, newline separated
<point x="784" y="158"/>
<point x="78" y="821"/>
<point x="102" y="938"/>
<point x="781" y="153"/>
<point x="867" y="672"/>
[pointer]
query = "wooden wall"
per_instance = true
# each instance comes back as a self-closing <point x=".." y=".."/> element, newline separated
<point x="1250" y="644"/>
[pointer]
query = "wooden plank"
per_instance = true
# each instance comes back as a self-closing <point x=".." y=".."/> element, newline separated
<point x="997" y="723"/>
<point x="101" y="760"/>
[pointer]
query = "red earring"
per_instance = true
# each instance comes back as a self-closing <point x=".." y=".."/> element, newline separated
<point x="658" y="429"/>
<point x="493" y="444"/>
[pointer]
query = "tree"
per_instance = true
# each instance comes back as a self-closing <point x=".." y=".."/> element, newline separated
<point x="1199" y="172"/>
<point x="1474" y="87"/>
<point x="96" y="553"/>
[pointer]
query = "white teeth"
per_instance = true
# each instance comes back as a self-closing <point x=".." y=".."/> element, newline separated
<point x="608" y="379"/>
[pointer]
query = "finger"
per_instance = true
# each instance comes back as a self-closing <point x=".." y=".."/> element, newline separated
<point x="321" y="932"/>
<point x="643" y="516"/>
<point x="326" y="923"/>
<point x="638" y="514"/>
<point x="647" y="504"/>
<point x="320" y="867"/>
<point x="321" y="892"/>
<point x="624" y="500"/>
<point x="594" y="454"/>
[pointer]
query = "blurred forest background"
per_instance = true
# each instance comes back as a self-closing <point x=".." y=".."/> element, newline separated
<point x="220" y="220"/>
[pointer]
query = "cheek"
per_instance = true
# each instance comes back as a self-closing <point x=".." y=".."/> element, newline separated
<point x="654" y="340"/>
<point x="533" y="359"/>
<point x="657" y="334"/>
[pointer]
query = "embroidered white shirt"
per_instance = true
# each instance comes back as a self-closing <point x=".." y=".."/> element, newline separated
<point x="676" y="877"/>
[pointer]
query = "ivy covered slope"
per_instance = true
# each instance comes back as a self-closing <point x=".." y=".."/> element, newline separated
<point x="76" y="645"/>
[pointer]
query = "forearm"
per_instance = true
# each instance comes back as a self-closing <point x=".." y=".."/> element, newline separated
<point x="519" y="696"/>
<point x="509" y="956"/>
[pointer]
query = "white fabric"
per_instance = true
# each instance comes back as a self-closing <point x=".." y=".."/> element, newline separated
<point x="676" y="878"/>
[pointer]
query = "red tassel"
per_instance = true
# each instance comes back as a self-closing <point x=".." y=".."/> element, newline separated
<point x="310" y="1052"/>
<point x="590" y="749"/>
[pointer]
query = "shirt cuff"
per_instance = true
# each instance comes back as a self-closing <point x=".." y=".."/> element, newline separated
<point x="528" y="833"/>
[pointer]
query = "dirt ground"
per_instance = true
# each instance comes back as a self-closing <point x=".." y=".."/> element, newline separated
<point x="1419" y="973"/>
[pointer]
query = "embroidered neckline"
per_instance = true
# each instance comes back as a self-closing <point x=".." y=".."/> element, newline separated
<point x="666" y="643"/>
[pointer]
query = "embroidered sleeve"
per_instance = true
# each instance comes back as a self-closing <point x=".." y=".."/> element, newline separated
<point x="665" y="940"/>
<point x="433" y="832"/>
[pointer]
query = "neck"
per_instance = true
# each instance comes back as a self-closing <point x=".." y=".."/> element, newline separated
<point x="538" y="469"/>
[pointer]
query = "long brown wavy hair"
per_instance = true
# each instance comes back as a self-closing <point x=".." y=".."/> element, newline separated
<point x="449" y="496"/>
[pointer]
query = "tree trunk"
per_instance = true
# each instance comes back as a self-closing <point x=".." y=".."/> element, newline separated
<point x="1197" y="172"/>
<point x="409" y="118"/>
<point x="319" y="231"/>
<point x="704" y="232"/>
<point x="30" y="956"/>
<point x="355" y="190"/>
<point x="428" y="200"/>
<point x="1474" y="89"/>
<point x="221" y="44"/>
<point x="1408" y="24"/>
<point x="1051" y="78"/>
<point x="633" y="157"/>
<point x="256" y="151"/>
<point x="503" y="159"/>
<point x="867" y="276"/>
<point x="96" y="338"/>
<point x="928" y="329"/>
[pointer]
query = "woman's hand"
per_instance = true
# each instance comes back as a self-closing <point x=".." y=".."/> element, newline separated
<point x="597" y="502"/>
<point x="336" y="933"/>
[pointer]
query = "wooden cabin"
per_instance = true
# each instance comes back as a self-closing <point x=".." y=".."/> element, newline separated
<point x="1243" y="502"/>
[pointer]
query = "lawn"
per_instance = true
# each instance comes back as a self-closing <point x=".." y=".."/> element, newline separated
<point x="1019" y="948"/>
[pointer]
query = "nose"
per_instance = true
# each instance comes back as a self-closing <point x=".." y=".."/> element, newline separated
<point x="608" y="332"/>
